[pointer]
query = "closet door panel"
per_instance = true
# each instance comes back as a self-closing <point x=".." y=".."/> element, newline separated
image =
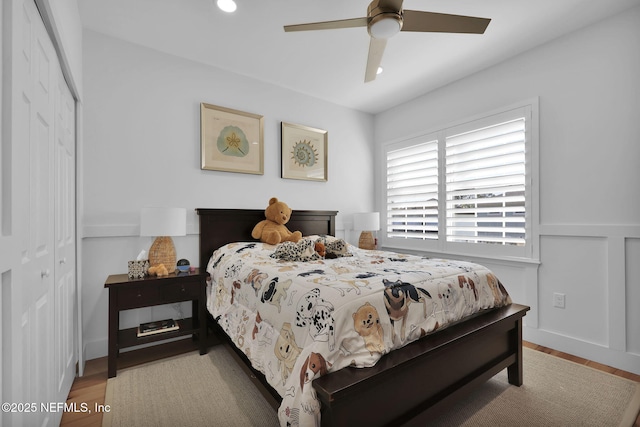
<point x="41" y="156"/>
<point x="65" y="279"/>
<point x="34" y="90"/>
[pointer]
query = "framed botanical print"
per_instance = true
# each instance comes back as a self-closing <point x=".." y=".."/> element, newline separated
<point x="231" y="140"/>
<point x="304" y="152"/>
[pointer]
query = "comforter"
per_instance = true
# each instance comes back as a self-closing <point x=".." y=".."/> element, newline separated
<point x="297" y="320"/>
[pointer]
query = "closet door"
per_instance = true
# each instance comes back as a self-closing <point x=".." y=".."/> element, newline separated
<point x="41" y="357"/>
<point x="65" y="245"/>
<point x="38" y="95"/>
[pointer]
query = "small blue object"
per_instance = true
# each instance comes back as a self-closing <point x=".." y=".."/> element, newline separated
<point x="183" y="265"/>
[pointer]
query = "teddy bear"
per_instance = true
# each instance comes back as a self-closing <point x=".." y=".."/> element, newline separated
<point x="273" y="229"/>
<point x="320" y="249"/>
<point x="158" y="270"/>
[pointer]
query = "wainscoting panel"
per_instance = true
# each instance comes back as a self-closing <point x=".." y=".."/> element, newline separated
<point x="575" y="267"/>
<point x="597" y="267"/>
<point x="632" y="290"/>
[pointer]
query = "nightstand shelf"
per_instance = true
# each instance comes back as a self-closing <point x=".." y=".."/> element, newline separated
<point x="129" y="337"/>
<point x="127" y="294"/>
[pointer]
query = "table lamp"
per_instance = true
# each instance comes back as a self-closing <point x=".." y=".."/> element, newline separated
<point x="162" y="223"/>
<point x="367" y="222"/>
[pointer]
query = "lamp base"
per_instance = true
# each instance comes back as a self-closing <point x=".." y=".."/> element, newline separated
<point x="366" y="240"/>
<point x="163" y="251"/>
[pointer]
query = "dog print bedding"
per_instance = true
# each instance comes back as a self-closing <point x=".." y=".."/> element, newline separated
<point x="299" y="317"/>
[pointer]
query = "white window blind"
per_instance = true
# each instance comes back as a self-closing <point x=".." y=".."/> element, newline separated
<point x="412" y="192"/>
<point x="485" y="184"/>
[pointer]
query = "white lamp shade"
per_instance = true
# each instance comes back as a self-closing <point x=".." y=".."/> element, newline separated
<point x="366" y="221"/>
<point x="163" y="222"/>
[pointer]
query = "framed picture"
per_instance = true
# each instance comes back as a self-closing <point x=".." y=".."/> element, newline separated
<point x="304" y="152"/>
<point x="231" y="140"/>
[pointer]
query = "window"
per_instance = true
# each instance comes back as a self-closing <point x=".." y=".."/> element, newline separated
<point x="486" y="184"/>
<point x="412" y="191"/>
<point x="465" y="189"/>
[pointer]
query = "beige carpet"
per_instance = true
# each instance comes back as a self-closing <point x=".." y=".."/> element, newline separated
<point x="212" y="390"/>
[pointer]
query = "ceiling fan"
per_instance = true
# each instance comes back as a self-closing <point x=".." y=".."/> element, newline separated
<point x="386" y="18"/>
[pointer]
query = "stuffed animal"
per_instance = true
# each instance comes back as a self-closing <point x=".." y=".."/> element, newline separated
<point x="320" y="249"/>
<point x="158" y="270"/>
<point x="273" y="229"/>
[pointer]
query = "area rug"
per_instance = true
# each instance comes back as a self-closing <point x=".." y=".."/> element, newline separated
<point x="212" y="390"/>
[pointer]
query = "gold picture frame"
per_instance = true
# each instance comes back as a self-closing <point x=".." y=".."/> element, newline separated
<point x="231" y="140"/>
<point x="304" y="152"/>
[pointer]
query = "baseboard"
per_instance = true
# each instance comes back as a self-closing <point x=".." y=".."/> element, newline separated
<point x="625" y="361"/>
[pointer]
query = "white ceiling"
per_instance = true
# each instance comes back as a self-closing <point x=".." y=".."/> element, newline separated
<point x="330" y="64"/>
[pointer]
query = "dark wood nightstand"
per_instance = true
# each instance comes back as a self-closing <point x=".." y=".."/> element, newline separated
<point x="126" y="294"/>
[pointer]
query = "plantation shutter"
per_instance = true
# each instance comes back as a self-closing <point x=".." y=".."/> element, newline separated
<point x="485" y="184"/>
<point x="412" y="192"/>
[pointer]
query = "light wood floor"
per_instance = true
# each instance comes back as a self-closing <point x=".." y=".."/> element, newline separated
<point x="91" y="387"/>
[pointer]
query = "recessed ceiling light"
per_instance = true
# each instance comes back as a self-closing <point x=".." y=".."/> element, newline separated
<point x="379" y="70"/>
<point x="227" y="5"/>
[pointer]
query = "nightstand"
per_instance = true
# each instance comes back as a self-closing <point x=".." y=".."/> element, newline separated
<point x="126" y="294"/>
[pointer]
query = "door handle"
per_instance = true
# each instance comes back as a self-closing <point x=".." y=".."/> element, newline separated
<point x="45" y="273"/>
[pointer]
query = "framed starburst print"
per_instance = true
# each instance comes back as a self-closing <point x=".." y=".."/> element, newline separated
<point x="304" y="152"/>
<point x="231" y="140"/>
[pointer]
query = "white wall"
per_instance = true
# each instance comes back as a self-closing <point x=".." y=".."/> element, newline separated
<point x="589" y="92"/>
<point x="142" y="148"/>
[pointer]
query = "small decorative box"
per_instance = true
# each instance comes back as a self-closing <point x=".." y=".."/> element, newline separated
<point x="138" y="269"/>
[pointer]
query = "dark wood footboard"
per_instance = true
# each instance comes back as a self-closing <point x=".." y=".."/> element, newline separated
<point x="412" y="385"/>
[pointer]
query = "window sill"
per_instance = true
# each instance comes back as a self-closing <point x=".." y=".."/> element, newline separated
<point x="508" y="260"/>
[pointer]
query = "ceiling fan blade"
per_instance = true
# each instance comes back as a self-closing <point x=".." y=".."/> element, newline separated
<point x="431" y="22"/>
<point x="376" y="49"/>
<point x="328" y="25"/>
<point x="390" y="4"/>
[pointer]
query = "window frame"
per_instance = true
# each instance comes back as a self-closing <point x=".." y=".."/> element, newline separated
<point x="529" y="252"/>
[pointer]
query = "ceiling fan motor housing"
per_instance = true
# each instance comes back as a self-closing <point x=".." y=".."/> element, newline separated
<point x="383" y="22"/>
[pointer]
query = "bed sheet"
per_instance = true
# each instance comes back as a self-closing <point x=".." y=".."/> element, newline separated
<point x="296" y="321"/>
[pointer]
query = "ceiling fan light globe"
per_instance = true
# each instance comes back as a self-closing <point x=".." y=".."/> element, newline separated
<point x="385" y="26"/>
<point x="228" y="6"/>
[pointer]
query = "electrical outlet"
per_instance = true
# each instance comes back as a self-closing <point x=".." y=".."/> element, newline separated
<point x="558" y="300"/>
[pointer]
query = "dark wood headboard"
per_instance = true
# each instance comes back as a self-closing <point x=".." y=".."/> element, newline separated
<point x="221" y="226"/>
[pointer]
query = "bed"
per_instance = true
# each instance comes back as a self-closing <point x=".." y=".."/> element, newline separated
<point x="406" y="386"/>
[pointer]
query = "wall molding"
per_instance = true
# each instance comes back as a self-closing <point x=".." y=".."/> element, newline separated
<point x="590" y="230"/>
<point x="626" y="361"/>
<point x="97" y="231"/>
<point x="123" y="230"/>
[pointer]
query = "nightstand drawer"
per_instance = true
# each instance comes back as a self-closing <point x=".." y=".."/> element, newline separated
<point x="180" y="291"/>
<point x="138" y="297"/>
